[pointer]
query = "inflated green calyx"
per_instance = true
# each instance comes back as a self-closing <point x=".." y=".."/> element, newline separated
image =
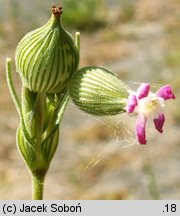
<point x="47" y="57"/>
<point x="98" y="91"/>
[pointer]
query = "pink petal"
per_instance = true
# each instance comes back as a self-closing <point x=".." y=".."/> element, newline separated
<point x="159" y="122"/>
<point x="143" y="90"/>
<point x="131" y="104"/>
<point x="165" y="92"/>
<point x="140" y="129"/>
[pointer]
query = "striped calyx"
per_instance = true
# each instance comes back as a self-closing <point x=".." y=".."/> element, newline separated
<point x="47" y="57"/>
<point x="98" y="91"/>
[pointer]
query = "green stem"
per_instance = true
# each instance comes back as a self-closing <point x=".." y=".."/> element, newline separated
<point x="151" y="180"/>
<point x="39" y="120"/>
<point x="37" y="185"/>
<point x="77" y="41"/>
<point x="11" y="85"/>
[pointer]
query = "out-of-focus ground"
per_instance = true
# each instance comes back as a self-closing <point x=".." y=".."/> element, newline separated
<point x="98" y="157"/>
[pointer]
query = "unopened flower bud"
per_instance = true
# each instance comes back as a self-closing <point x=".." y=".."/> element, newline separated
<point x="47" y="57"/>
<point x="98" y="91"/>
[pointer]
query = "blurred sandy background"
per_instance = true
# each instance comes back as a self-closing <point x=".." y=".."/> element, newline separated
<point x="98" y="158"/>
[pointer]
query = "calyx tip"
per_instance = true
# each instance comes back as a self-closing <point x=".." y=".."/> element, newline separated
<point x="56" y="10"/>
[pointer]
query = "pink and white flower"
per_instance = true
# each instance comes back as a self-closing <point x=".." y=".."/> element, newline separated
<point x="148" y="105"/>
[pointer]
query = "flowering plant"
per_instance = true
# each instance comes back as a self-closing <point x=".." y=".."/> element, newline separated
<point x="47" y="60"/>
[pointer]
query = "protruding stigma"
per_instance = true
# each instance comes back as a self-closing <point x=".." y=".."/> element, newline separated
<point x="56" y="10"/>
